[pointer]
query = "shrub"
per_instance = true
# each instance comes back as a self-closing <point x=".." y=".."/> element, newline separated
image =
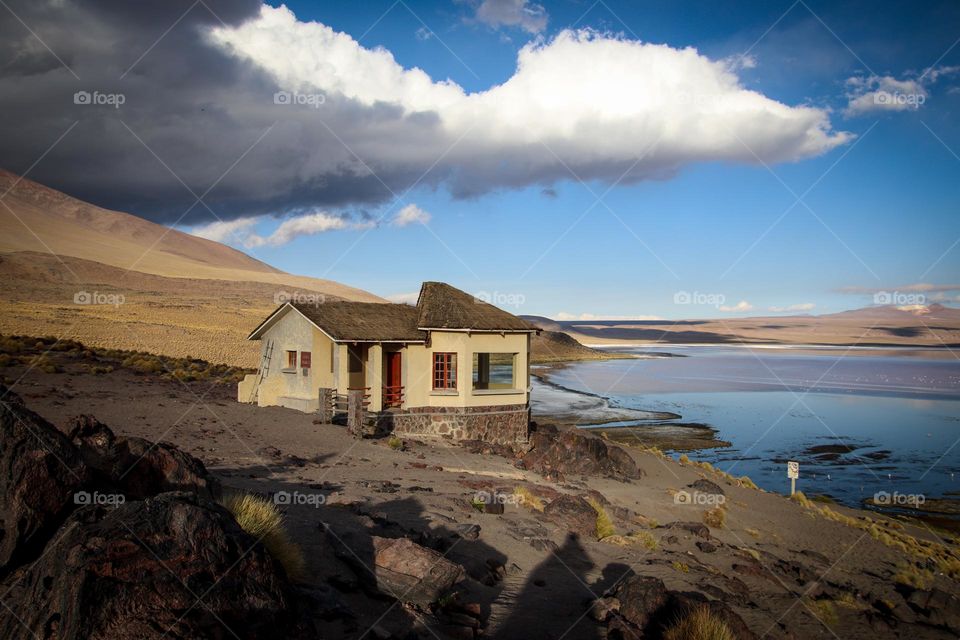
<point x="825" y="612"/>
<point x="604" y="527"/>
<point x="682" y="567"/>
<point x="527" y="499"/>
<point x="913" y="577"/>
<point x="395" y="443"/>
<point x="715" y="517"/>
<point x="745" y="481"/>
<point x="262" y="519"/>
<point x="699" y="624"/>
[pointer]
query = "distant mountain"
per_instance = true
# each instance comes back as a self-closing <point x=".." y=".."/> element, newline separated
<point x="931" y="325"/>
<point x="37" y="218"/>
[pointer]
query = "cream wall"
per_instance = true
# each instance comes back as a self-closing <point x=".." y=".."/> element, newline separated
<point x="418" y="369"/>
<point x="292" y="332"/>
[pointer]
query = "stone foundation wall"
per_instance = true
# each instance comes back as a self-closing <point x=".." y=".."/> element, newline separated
<point x="503" y="424"/>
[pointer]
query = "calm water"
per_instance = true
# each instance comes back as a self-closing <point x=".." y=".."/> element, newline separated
<point x="902" y="413"/>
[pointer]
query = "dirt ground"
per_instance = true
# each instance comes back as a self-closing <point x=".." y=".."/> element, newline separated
<point x="788" y="571"/>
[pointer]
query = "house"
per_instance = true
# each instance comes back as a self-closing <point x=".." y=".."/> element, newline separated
<point x="451" y="366"/>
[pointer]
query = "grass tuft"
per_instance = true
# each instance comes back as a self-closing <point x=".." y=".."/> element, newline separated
<point x="715" y="517"/>
<point x="262" y="519"/>
<point x="604" y="527"/>
<point x="526" y="498"/>
<point x="699" y="624"/>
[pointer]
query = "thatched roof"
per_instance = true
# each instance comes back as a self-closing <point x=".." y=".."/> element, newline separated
<point x="444" y="307"/>
<point x="440" y="306"/>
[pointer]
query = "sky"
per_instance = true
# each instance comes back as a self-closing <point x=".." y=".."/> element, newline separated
<point x="572" y="159"/>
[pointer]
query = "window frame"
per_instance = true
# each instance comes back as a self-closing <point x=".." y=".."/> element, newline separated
<point x="491" y="390"/>
<point x="447" y="371"/>
<point x="305" y="363"/>
<point x="291" y="359"/>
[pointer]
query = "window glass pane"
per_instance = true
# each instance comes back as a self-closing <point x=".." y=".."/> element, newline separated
<point x="494" y="370"/>
<point x="291" y="359"/>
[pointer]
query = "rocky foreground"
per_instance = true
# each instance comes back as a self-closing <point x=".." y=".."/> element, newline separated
<point x="105" y="534"/>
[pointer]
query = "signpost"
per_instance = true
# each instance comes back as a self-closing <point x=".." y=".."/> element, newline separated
<point x="793" y="472"/>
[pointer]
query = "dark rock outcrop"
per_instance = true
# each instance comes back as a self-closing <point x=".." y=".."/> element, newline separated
<point x="143" y="563"/>
<point x="176" y="565"/>
<point x="571" y="452"/>
<point x="572" y="513"/>
<point x="40" y="473"/>
<point x="646" y="608"/>
<point x="136" y="467"/>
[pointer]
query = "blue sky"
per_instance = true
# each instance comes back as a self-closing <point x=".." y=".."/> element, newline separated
<point x="878" y="212"/>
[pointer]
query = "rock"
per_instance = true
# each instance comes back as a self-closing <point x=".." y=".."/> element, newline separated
<point x="698" y="529"/>
<point x="572" y="513"/>
<point x="706" y="547"/>
<point x="572" y="452"/>
<point x="40" y="473"/>
<point x="176" y="565"/>
<point x="705" y="486"/>
<point x="468" y="531"/>
<point x="136" y="467"/>
<point x="640" y="598"/>
<point x="410" y="573"/>
<point x="602" y="608"/>
<point x="941" y="609"/>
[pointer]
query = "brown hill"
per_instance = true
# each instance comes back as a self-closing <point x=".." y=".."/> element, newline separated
<point x="178" y="294"/>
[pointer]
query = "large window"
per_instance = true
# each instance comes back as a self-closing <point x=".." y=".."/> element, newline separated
<point x="445" y="371"/>
<point x="494" y="371"/>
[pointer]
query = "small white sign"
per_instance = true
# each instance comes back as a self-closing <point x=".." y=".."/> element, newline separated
<point x="793" y="470"/>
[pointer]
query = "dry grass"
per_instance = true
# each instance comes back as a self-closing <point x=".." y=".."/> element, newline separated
<point x="715" y="517"/>
<point x="395" y="443"/>
<point x="526" y="498"/>
<point x="914" y="577"/>
<point x="699" y="624"/>
<point x="262" y="519"/>
<point x="682" y="567"/>
<point x="824" y="611"/>
<point x="604" y="526"/>
<point x="639" y="538"/>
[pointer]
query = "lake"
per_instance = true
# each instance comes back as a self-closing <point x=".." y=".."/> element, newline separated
<point x="859" y="421"/>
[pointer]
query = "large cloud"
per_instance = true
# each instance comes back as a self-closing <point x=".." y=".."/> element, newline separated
<point x="357" y="127"/>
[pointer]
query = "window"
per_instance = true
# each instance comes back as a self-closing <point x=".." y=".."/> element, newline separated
<point x="304" y="359"/>
<point x="445" y="371"/>
<point x="291" y="359"/>
<point x="494" y="371"/>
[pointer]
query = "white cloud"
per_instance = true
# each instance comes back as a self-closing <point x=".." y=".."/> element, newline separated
<point x="410" y="214"/>
<point x="241" y="231"/>
<point x="563" y="315"/>
<point x="229" y="231"/>
<point x="529" y="16"/>
<point x="404" y="298"/>
<point x="886" y="93"/>
<point x="740" y="307"/>
<point x="601" y="105"/>
<point x="802" y="308"/>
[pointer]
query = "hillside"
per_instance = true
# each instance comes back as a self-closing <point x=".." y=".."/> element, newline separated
<point x="931" y="326"/>
<point x="553" y="345"/>
<point x="178" y="294"/>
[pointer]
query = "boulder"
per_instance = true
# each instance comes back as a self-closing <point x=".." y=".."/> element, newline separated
<point x="698" y="529"/>
<point x="136" y="467"/>
<point x="40" y="474"/>
<point x="572" y="513"/>
<point x="176" y="565"/>
<point x="707" y="487"/>
<point x="413" y="574"/>
<point x="573" y="452"/>
<point x="640" y="598"/>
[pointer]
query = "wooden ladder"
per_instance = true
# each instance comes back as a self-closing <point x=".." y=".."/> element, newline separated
<point x="264" y="368"/>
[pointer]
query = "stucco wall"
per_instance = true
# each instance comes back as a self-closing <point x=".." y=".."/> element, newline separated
<point x="418" y="370"/>
<point x="292" y="332"/>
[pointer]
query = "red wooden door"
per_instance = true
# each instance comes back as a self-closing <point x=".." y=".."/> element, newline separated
<point x="393" y="392"/>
